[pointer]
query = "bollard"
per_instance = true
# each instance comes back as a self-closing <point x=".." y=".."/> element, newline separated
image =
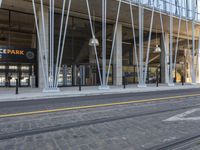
<point x="157" y="77"/>
<point x="79" y="84"/>
<point x="124" y="81"/>
<point x="17" y="87"/>
<point x="182" y="79"/>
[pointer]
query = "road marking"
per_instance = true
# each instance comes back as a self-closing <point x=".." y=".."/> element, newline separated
<point x="183" y="116"/>
<point x="95" y="106"/>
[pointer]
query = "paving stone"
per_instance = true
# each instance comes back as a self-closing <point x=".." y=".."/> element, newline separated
<point x="135" y="133"/>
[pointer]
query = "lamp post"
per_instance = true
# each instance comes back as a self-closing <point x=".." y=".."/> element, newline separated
<point x="182" y="73"/>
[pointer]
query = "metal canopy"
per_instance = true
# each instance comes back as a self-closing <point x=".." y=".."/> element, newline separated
<point x="79" y="8"/>
<point x="115" y="14"/>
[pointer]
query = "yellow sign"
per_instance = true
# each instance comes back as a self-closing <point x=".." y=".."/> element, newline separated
<point x="12" y="52"/>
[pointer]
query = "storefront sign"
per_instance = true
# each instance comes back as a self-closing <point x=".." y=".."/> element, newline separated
<point x="18" y="55"/>
<point x="11" y="52"/>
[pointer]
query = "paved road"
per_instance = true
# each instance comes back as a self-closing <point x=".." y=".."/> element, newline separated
<point x="169" y="124"/>
<point x="34" y="105"/>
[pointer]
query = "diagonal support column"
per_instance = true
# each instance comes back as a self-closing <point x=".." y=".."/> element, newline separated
<point x="193" y="43"/>
<point x="44" y="21"/>
<point x="104" y="15"/>
<point x="141" y="46"/>
<point x="198" y="61"/>
<point x="171" y="50"/>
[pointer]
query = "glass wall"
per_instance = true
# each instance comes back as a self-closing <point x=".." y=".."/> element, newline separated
<point x="183" y="7"/>
<point x="183" y="65"/>
<point x="78" y="57"/>
<point x="183" y="57"/>
<point x="129" y="57"/>
<point x="17" y="31"/>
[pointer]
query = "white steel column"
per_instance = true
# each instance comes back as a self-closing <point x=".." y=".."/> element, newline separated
<point x="134" y="39"/>
<point x="104" y="15"/>
<point x="193" y="43"/>
<point x="165" y="58"/>
<point x="117" y="59"/>
<point x="148" y="46"/>
<point x="198" y="61"/>
<point x="171" y="50"/>
<point x="48" y="69"/>
<point x="43" y="50"/>
<point x="141" y="46"/>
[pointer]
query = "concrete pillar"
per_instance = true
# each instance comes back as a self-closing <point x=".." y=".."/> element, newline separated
<point x="117" y="57"/>
<point x="44" y="51"/>
<point x="164" y="61"/>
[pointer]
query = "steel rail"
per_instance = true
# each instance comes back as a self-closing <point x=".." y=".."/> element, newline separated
<point x="11" y="135"/>
<point x="179" y="143"/>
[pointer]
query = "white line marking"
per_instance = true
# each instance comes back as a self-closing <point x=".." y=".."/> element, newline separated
<point x="182" y="116"/>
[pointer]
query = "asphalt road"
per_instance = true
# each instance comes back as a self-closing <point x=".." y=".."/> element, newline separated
<point x="151" y="122"/>
<point x="48" y="104"/>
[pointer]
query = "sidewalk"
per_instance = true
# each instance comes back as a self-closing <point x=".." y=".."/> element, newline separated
<point x="8" y="94"/>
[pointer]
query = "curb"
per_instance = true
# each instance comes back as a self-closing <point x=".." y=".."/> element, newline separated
<point x="19" y="97"/>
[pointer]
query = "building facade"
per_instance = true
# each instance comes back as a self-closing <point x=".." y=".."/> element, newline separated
<point x="52" y="44"/>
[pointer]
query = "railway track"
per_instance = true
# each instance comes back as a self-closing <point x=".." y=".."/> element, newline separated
<point x="58" y="127"/>
<point x="184" y="143"/>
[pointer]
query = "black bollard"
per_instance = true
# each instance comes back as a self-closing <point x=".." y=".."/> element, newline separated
<point x="79" y="84"/>
<point x="17" y="87"/>
<point x="182" y="79"/>
<point x="124" y="81"/>
<point x="157" y="77"/>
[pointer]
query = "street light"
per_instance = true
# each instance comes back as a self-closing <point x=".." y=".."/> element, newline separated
<point x="157" y="49"/>
<point x="93" y="42"/>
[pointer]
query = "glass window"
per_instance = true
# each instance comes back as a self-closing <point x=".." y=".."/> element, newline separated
<point x="17" y="29"/>
<point x="79" y="54"/>
<point x="2" y="66"/>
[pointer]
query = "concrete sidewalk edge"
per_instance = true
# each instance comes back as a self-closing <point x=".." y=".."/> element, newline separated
<point x="68" y="94"/>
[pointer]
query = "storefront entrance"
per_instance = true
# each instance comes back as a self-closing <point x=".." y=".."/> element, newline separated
<point x="18" y="64"/>
<point x="70" y="75"/>
<point x="10" y="72"/>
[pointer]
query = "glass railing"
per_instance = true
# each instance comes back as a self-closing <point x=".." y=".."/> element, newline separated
<point x="178" y="8"/>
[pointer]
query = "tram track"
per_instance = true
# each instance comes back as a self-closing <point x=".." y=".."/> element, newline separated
<point x="179" y="144"/>
<point x="77" y="124"/>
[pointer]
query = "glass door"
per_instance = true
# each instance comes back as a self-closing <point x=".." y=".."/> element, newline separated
<point x="12" y="75"/>
<point x="25" y="75"/>
<point x="65" y="76"/>
<point x="2" y="75"/>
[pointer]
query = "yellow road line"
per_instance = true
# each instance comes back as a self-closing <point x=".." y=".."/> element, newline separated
<point x="95" y="106"/>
